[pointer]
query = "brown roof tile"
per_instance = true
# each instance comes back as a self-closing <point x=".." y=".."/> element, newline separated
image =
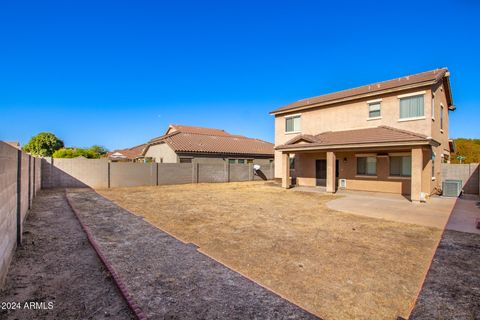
<point x="205" y="140"/>
<point x="130" y="153"/>
<point x="419" y="78"/>
<point x="382" y="134"/>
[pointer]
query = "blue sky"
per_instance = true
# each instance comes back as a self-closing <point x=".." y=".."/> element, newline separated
<point x="116" y="73"/>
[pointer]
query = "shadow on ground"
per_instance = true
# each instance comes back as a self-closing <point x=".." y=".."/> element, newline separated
<point x="452" y="286"/>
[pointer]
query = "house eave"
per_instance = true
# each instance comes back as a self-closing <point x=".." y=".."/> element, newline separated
<point x="316" y="147"/>
<point x="360" y="96"/>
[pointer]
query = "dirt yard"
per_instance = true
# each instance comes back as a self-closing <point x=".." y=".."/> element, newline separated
<point x="333" y="264"/>
<point x="56" y="265"/>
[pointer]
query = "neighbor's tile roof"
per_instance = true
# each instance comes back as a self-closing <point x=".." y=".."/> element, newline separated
<point x="419" y="78"/>
<point x="188" y="139"/>
<point x="130" y="153"/>
<point x="382" y="134"/>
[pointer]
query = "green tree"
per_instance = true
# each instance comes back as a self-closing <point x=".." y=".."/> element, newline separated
<point x="96" y="149"/>
<point x="469" y="148"/>
<point x="93" y="152"/>
<point x="43" y="144"/>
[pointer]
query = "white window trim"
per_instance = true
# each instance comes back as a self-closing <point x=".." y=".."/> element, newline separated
<point x="411" y="119"/>
<point x="407" y="95"/>
<point x="374" y="118"/>
<point x="292" y="116"/>
<point x="374" y="101"/>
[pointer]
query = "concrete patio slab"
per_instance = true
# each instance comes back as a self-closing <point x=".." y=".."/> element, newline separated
<point x="434" y="213"/>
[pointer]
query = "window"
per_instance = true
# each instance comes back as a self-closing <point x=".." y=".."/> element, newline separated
<point x="367" y="166"/>
<point x="374" y="110"/>
<point x="292" y="124"/>
<point x="433" y="164"/>
<point x="411" y="107"/>
<point x="400" y="166"/>
<point x="292" y="163"/>
<point x="241" y="161"/>
<point x="250" y="161"/>
<point x="185" y="160"/>
<point x="433" y="106"/>
<point x="231" y="161"/>
<point x="441" y="117"/>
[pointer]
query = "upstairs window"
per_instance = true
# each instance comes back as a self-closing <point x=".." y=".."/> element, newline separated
<point x="411" y="107"/>
<point x="441" y="117"/>
<point x="367" y="166"/>
<point x="433" y="106"/>
<point x="400" y="166"/>
<point x="185" y="160"/>
<point x="374" y="109"/>
<point x="292" y="123"/>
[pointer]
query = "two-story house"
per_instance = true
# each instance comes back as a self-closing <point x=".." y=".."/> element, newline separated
<point x="390" y="136"/>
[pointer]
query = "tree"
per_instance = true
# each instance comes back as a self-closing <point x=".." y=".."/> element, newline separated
<point x="468" y="150"/>
<point x="96" y="149"/>
<point x="43" y="144"/>
<point x="93" y="152"/>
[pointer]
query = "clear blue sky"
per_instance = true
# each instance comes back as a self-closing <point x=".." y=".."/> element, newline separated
<point x="116" y="73"/>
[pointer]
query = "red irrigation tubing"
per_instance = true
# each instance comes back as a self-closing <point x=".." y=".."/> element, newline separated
<point x="116" y="277"/>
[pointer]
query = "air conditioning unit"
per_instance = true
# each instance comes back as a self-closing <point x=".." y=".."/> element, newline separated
<point x="342" y="183"/>
<point x="451" y="188"/>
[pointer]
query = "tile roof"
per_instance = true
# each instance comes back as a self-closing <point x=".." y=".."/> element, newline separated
<point x="130" y="153"/>
<point x="381" y="134"/>
<point x="186" y="139"/>
<point x="419" y="79"/>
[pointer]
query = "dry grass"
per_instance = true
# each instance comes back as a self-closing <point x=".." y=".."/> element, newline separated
<point x="333" y="264"/>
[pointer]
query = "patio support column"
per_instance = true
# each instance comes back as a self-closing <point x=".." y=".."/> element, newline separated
<point x="331" y="178"/>
<point x="416" y="178"/>
<point x="285" y="170"/>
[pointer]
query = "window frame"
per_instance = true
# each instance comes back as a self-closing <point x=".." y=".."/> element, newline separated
<point x="401" y="176"/>
<point x="291" y="117"/>
<point x="366" y="174"/>
<point x="185" y="158"/>
<point x="442" y="109"/>
<point x="433" y="106"/>
<point x="409" y="96"/>
<point x="375" y="102"/>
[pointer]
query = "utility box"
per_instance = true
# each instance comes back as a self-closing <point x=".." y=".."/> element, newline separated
<point x="451" y="188"/>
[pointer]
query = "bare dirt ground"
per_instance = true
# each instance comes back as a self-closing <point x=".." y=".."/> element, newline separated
<point x="57" y="264"/>
<point x="170" y="279"/>
<point x="333" y="264"/>
<point x="452" y="287"/>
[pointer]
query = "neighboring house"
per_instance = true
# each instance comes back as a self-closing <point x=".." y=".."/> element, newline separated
<point x="390" y="136"/>
<point x="186" y="144"/>
<point x="133" y="154"/>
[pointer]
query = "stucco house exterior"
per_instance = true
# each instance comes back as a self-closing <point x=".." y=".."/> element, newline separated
<point x="390" y="136"/>
<point x="188" y="144"/>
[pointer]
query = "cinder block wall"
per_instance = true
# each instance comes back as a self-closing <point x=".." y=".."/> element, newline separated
<point x="20" y="176"/>
<point x="99" y="173"/>
<point x="468" y="173"/>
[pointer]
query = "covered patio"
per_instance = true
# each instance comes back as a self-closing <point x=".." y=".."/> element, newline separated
<point x="380" y="159"/>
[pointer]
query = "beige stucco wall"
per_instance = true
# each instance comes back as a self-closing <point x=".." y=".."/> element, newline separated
<point x="305" y="172"/>
<point x="162" y="150"/>
<point x="354" y="115"/>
